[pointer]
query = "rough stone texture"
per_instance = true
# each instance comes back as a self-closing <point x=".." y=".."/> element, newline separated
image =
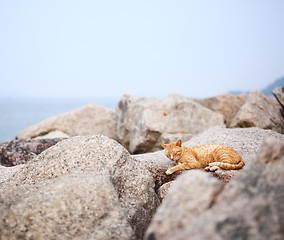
<point x="279" y="95"/>
<point x="259" y="111"/>
<point x="190" y="195"/>
<point x="104" y="179"/>
<point x="91" y="119"/>
<point x="172" y="137"/>
<point x="7" y="172"/>
<point x="244" y="140"/>
<point x="54" y="134"/>
<point x="157" y="163"/>
<point x="68" y="207"/>
<point x="226" y="104"/>
<point x="22" y="151"/>
<point x="249" y="207"/>
<point x="144" y="122"/>
<point x="163" y="190"/>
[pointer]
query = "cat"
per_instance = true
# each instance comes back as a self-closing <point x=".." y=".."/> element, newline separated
<point x="208" y="156"/>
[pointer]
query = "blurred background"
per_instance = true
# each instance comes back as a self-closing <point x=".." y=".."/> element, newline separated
<point x="58" y="55"/>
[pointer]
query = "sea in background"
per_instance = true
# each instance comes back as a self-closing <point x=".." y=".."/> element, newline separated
<point x="16" y="114"/>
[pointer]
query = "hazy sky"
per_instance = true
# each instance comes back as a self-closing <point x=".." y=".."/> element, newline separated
<point x="106" y="48"/>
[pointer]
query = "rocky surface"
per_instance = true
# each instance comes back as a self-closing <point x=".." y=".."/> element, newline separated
<point x="189" y="197"/>
<point x="91" y="119"/>
<point x="226" y="104"/>
<point x="145" y="123"/>
<point x="22" y="151"/>
<point x="142" y="124"/>
<point x="246" y="141"/>
<point x="53" y="134"/>
<point x="259" y="111"/>
<point x="249" y="207"/>
<point x="81" y="188"/>
<point x="92" y="188"/>
<point x="279" y="95"/>
<point x="7" y="172"/>
<point x="68" y="207"/>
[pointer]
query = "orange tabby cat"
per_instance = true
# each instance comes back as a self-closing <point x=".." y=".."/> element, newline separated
<point x="209" y="156"/>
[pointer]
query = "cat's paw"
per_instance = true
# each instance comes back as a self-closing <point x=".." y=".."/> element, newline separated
<point x="214" y="168"/>
<point x="211" y="168"/>
<point x="169" y="172"/>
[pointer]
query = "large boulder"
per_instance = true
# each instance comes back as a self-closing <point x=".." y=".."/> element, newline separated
<point x="259" y="111"/>
<point x="144" y="123"/>
<point x="68" y="207"/>
<point x="80" y="188"/>
<point x="249" y="207"/>
<point x="91" y="119"/>
<point x="226" y="104"/>
<point x="246" y="141"/>
<point x="189" y="197"/>
<point x="17" y="152"/>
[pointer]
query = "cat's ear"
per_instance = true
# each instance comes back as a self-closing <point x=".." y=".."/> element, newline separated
<point x="164" y="145"/>
<point x="178" y="144"/>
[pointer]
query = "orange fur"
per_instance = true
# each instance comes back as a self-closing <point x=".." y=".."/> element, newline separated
<point x="208" y="156"/>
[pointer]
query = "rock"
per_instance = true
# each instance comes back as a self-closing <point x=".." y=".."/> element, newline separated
<point x="81" y="188"/>
<point x="246" y="141"/>
<point x="72" y="202"/>
<point x="7" y="172"/>
<point x="22" y="151"/>
<point x="252" y="113"/>
<point x="249" y="207"/>
<point x="144" y="122"/>
<point x="173" y="137"/>
<point x="163" y="190"/>
<point x="91" y="119"/>
<point x="157" y="163"/>
<point x="279" y="95"/>
<point x="54" y="134"/>
<point x="252" y="206"/>
<point x="226" y="104"/>
<point x="192" y="194"/>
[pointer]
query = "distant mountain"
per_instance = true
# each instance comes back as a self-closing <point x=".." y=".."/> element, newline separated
<point x="278" y="83"/>
<point x="268" y="90"/>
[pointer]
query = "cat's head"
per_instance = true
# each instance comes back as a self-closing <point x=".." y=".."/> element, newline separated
<point x="173" y="150"/>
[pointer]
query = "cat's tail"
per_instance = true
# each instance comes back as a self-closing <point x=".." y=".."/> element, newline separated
<point x="228" y="166"/>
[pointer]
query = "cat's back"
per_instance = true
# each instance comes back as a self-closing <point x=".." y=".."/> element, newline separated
<point x="205" y="152"/>
<point x="202" y="153"/>
<point x="207" y="148"/>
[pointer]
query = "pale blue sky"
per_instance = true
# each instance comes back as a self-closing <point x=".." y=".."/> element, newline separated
<point x="104" y="48"/>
